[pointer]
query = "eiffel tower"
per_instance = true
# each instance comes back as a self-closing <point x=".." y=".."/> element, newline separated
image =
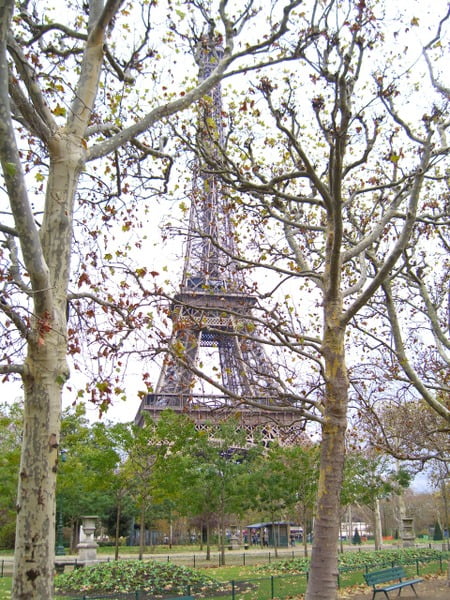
<point x="213" y="308"/>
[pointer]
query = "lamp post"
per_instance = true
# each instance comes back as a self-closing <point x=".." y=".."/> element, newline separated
<point x="59" y="549"/>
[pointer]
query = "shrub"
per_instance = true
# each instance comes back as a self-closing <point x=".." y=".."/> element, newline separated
<point x="349" y="560"/>
<point x="159" y="579"/>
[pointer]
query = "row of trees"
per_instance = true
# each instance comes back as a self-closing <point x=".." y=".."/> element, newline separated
<point x="335" y="166"/>
<point x="167" y="470"/>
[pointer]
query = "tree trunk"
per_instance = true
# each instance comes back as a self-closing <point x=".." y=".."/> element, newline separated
<point x="400" y="514"/>
<point x="208" y="541"/>
<point x="323" y="576"/>
<point x="222" y="536"/>
<point x="378" y="530"/>
<point x="305" y="533"/>
<point x="35" y="533"/>
<point x="142" y="532"/>
<point x="116" y="548"/>
<point x="74" y="536"/>
<point x="446" y="512"/>
<point x="350" y="524"/>
<point x="275" y="540"/>
<point x="44" y="375"/>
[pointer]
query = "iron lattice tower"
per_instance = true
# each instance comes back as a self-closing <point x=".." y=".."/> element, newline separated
<point x="213" y="308"/>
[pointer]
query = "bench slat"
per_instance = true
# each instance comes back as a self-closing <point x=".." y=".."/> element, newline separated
<point x="396" y="586"/>
<point x="385" y="575"/>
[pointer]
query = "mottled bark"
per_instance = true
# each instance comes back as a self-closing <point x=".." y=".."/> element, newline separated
<point x="45" y="374"/>
<point x="377" y="523"/>
<point x="35" y="532"/>
<point x="324" y="568"/>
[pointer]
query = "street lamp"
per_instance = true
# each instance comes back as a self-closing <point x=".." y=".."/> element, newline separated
<point x="59" y="549"/>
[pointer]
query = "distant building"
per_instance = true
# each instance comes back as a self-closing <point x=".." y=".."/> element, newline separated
<point x="348" y="529"/>
<point x="270" y="534"/>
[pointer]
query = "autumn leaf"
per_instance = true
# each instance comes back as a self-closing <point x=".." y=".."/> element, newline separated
<point x="141" y="272"/>
<point x="84" y="278"/>
<point x="59" y="111"/>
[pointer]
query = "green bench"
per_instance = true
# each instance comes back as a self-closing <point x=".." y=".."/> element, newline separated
<point x="377" y="579"/>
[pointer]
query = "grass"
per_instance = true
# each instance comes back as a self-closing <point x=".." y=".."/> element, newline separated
<point x="232" y="572"/>
<point x="5" y="588"/>
<point x="158" y="549"/>
<point x="252" y="584"/>
<point x="109" y="550"/>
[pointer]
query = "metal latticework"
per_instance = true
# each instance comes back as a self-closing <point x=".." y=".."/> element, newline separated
<point x="213" y="308"/>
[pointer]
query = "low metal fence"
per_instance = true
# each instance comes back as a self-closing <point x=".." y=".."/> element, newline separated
<point x="281" y="586"/>
<point x="267" y="588"/>
<point x="199" y="560"/>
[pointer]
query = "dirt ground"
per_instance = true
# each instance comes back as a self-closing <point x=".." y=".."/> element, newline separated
<point x="432" y="588"/>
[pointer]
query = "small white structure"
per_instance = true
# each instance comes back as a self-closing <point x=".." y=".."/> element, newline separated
<point x="348" y="529"/>
<point x="87" y="548"/>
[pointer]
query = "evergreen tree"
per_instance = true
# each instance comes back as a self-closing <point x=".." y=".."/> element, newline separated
<point x="356" y="539"/>
<point x="437" y="532"/>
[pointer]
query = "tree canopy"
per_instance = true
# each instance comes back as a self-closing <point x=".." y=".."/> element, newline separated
<point x="335" y="168"/>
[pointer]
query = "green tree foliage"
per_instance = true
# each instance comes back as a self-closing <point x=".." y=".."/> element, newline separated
<point x="305" y="472"/>
<point x="10" y="443"/>
<point x="214" y="470"/>
<point x="89" y="480"/>
<point x="368" y="476"/>
<point x="284" y="483"/>
<point x="437" y="533"/>
<point x="86" y="476"/>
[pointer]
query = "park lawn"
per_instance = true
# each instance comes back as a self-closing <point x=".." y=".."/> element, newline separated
<point x="232" y="572"/>
<point x="5" y="588"/>
<point x="252" y="585"/>
<point x="158" y="549"/>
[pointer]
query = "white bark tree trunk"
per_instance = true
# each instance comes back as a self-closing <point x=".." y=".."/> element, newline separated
<point x="35" y="533"/>
<point x="44" y="376"/>
<point x="401" y="514"/>
<point x="378" y="527"/>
